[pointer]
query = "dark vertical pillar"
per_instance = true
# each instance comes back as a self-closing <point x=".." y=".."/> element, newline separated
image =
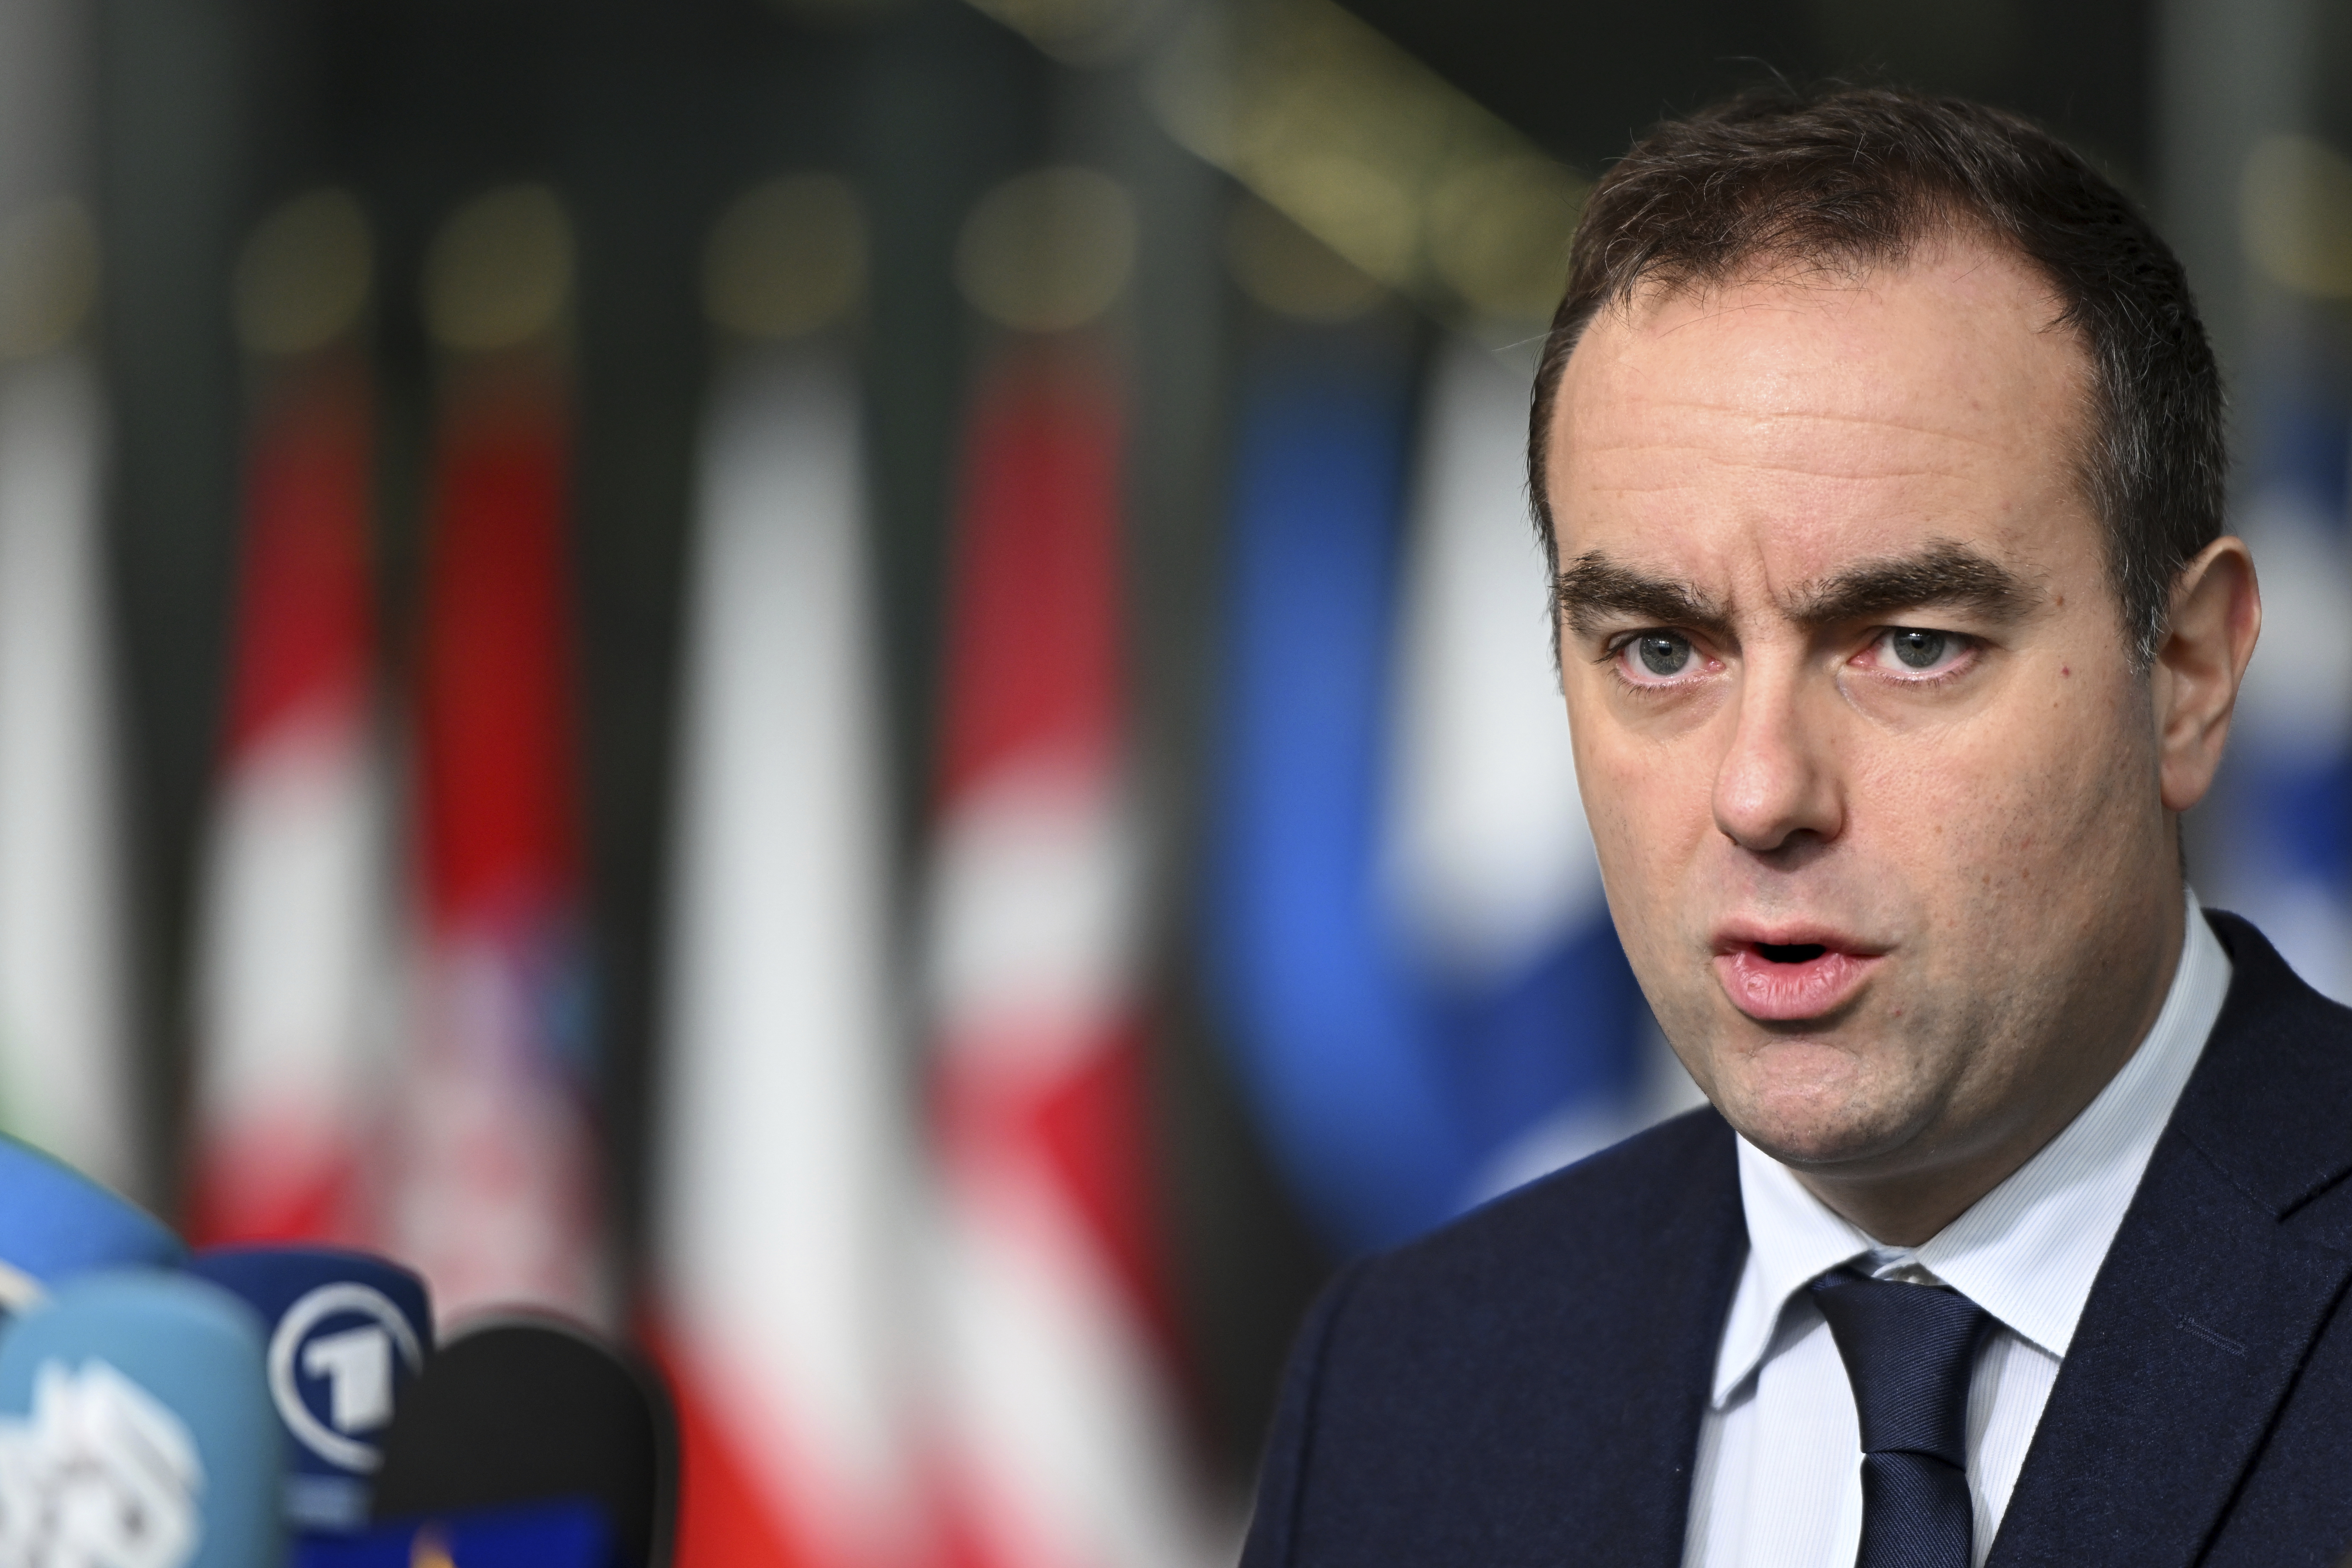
<point x="643" y="170"/>
<point x="170" y="199"/>
<point x="947" y="103"/>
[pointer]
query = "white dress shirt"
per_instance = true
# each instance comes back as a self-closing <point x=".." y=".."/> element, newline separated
<point x="1778" y="1478"/>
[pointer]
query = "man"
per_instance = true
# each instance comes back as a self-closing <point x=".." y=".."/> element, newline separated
<point x="1877" y="449"/>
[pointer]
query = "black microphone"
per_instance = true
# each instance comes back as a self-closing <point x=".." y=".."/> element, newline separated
<point x="516" y="1410"/>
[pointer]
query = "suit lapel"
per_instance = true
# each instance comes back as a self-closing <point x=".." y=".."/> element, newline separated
<point x="1523" y="1390"/>
<point x="1631" y="1457"/>
<point x="2202" y="1315"/>
<point x="2208" y="1302"/>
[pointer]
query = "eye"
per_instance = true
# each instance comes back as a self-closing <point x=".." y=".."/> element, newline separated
<point x="1648" y="658"/>
<point x="1918" y="651"/>
<point x="1663" y="653"/>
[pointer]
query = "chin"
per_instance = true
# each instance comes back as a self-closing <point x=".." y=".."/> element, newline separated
<point x="1817" y="1147"/>
<point x="1811" y="1119"/>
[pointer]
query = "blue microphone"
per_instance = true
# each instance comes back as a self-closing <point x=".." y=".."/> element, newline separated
<point x="55" y="1223"/>
<point x="569" y="1533"/>
<point x="347" y="1334"/>
<point x="136" y="1429"/>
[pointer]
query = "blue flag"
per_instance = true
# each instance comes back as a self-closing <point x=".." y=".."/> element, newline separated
<point x="2283" y="804"/>
<point x="1403" y="932"/>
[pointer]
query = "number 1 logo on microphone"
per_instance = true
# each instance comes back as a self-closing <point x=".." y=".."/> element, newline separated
<point x="333" y="1363"/>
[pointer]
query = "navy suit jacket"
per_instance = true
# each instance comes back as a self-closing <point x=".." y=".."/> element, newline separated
<point x="1525" y="1386"/>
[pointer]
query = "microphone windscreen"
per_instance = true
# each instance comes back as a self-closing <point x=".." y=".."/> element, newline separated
<point x="573" y="1533"/>
<point x="523" y="1410"/>
<point x="135" y="1429"/>
<point x="57" y="1223"/>
<point x="347" y="1332"/>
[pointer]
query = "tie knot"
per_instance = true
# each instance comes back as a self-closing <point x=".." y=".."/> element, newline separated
<point x="1908" y="1351"/>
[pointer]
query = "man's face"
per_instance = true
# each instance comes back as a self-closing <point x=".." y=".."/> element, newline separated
<point x="1873" y="780"/>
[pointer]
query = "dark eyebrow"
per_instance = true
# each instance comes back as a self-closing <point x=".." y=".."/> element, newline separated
<point x="1593" y="587"/>
<point x="1945" y="573"/>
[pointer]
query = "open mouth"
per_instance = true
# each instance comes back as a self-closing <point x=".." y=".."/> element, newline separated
<point x="1791" y="981"/>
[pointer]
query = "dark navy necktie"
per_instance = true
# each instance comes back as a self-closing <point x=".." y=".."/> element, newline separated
<point x="1909" y="1352"/>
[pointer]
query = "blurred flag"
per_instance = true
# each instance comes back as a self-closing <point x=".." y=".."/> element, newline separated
<point x="65" y="1073"/>
<point x="2284" y="801"/>
<point x="1491" y="870"/>
<point x="492" y="1188"/>
<point x="786" y="1143"/>
<point x="493" y="1192"/>
<point x="2281" y="818"/>
<point x="1403" y="926"/>
<point x="1301" y="965"/>
<point x="1060" y="1446"/>
<point x="289" y="943"/>
<point x="65" y="1080"/>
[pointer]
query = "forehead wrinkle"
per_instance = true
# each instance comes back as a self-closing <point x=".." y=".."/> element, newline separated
<point x="1748" y="413"/>
<point x="1680" y="477"/>
<point x="1626" y="360"/>
<point x="1775" y="442"/>
<point x="1752" y="465"/>
<point x="1879" y="422"/>
<point x="1570" y="460"/>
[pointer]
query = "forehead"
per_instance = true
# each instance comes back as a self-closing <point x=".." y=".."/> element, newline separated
<point x="1789" y="425"/>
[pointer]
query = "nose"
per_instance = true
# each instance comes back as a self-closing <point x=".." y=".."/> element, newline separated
<point x="1776" y="785"/>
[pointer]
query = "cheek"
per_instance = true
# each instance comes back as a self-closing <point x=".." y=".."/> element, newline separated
<point x="1649" y="811"/>
<point x="2012" y="808"/>
<point x="1942" y="835"/>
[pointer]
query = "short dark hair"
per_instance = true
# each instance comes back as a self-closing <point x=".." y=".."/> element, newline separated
<point x="1854" y="177"/>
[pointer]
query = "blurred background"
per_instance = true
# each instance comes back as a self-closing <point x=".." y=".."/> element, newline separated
<point x="859" y="685"/>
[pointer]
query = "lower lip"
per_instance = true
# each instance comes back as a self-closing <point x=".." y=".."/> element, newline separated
<point x="1785" y="992"/>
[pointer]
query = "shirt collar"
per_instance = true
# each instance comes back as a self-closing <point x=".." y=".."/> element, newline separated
<point x="2027" y="1251"/>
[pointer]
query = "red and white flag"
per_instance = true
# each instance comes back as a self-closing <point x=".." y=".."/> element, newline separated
<point x="1061" y="1443"/>
<point x="65" y="1078"/>
<point x="786" y="1152"/>
<point x="67" y="1082"/>
<point x="290" y="983"/>
<point x="493" y="1190"/>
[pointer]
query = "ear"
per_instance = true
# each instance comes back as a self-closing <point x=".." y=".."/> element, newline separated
<point x="2217" y="614"/>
